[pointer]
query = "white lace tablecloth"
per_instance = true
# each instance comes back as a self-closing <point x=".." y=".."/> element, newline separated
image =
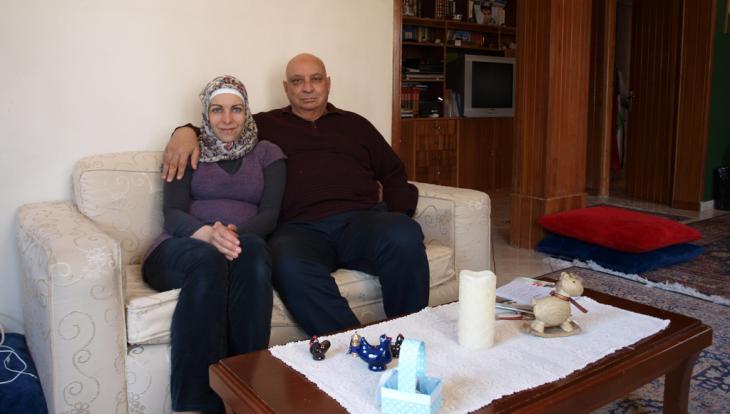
<point x="472" y="379"/>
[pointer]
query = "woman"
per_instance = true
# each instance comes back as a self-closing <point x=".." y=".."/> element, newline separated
<point x="213" y="247"/>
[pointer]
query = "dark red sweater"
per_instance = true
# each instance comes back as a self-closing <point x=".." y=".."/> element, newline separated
<point x="334" y="163"/>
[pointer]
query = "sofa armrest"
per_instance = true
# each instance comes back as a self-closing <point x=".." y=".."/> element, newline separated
<point x="73" y="308"/>
<point x="458" y="218"/>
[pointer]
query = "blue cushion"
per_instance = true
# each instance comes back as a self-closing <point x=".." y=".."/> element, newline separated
<point x="569" y="248"/>
<point x="24" y="394"/>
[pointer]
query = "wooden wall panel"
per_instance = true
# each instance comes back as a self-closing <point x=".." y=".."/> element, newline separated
<point x="552" y="97"/>
<point x="505" y="132"/>
<point x="693" y="103"/>
<point x="654" y="81"/>
<point x="551" y="113"/>
<point x="601" y="97"/>
<point x="485" y="153"/>
<point x="568" y="97"/>
<point x="532" y="81"/>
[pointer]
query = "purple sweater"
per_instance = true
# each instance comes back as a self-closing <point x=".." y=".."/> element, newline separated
<point x="217" y="195"/>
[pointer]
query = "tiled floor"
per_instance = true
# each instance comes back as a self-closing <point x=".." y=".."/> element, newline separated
<point x="510" y="262"/>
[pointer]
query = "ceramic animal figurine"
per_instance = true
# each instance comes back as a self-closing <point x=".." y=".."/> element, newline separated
<point x="554" y="311"/>
<point x="318" y="349"/>
<point x="395" y="346"/>
<point x="377" y="357"/>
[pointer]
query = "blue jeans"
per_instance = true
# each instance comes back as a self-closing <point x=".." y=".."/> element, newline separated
<point x="387" y="245"/>
<point x="224" y="309"/>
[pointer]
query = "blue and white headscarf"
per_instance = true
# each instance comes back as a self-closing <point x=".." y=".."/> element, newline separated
<point x="213" y="149"/>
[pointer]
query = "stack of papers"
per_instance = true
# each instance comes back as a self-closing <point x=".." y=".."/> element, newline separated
<point x="514" y="300"/>
<point x="523" y="289"/>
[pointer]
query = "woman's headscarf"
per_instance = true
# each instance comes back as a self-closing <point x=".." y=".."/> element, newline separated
<point x="212" y="149"/>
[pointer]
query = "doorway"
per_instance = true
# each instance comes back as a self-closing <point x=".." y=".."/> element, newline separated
<point x="622" y="97"/>
<point x="650" y="75"/>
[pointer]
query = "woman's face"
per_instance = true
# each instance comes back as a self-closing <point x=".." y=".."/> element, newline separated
<point x="227" y="116"/>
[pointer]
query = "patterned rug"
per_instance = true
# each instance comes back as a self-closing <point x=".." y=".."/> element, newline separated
<point x="673" y="217"/>
<point x="710" y="386"/>
<point x="708" y="273"/>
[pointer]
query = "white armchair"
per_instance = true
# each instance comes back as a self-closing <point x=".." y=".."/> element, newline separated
<point x="99" y="335"/>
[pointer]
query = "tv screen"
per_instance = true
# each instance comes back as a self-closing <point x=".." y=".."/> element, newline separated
<point x="491" y="85"/>
<point x="483" y="86"/>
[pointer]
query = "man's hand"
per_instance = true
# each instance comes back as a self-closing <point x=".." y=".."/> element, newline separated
<point x="224" y="238"/>
<point x="183" y="144"/>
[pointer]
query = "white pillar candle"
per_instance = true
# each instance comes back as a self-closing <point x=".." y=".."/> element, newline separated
<point x="477" y="296"/>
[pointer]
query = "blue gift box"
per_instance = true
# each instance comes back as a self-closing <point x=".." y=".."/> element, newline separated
<point x="407" y="389"/>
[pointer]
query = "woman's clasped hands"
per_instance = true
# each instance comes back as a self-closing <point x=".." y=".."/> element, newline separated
<point x="223" y="237"/>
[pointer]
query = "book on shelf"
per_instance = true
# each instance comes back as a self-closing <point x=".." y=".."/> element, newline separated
<point x="463" y="35"/>
<point x="417" y="34"/>
<point x="450" y="110"/>
<point x="410" y="33"/>
<point x="477" y="39"/>
<point x="410" y="98"/>
<point x="440" y="9"/>
<point x="423" y="76"/>
<point x="436" y="68"/>
<point x="458" y="102"/>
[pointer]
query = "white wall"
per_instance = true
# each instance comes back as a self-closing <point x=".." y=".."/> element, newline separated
<point x="80" y="77"/>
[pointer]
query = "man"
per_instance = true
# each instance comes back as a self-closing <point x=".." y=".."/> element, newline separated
<point x="331" y="215"/>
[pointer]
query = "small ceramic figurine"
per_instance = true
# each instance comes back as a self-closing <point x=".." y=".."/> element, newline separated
<point x="377" y="357"/>
<point x="552" y="313"/>
<point x="395" y="347"/>
<point x="318" y="349"/>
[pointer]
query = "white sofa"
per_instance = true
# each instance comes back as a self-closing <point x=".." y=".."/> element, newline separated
<point x="99" y="336"/>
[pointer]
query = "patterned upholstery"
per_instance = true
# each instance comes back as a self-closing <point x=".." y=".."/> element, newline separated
<point x="99" y="335"/>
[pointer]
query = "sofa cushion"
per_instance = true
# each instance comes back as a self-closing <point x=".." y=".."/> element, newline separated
<point x="122" y="194"/>
<point x="629" y="263"/>
<point x="149" y="313"/>
<point x="619" y="228"/>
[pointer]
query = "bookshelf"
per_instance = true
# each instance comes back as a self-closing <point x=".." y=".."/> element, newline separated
<point x="440" y="31"/>
<point x="436" y="145"/>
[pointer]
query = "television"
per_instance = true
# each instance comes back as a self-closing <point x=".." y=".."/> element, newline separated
<point x="484" y="85"/>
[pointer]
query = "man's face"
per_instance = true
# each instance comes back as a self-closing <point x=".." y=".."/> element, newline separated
<point x="307" y="86"/>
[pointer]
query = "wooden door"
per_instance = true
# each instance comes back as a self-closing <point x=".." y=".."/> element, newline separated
<point x="655" y="53"/>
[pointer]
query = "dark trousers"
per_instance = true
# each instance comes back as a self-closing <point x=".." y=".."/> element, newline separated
<point x="387" y="245"/>
<point x="224" y="309"/>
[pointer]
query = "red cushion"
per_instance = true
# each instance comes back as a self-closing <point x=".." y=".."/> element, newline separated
<point x="618" y="228"/>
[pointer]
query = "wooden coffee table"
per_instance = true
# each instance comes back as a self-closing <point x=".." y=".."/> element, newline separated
<point x="260" y="383"/>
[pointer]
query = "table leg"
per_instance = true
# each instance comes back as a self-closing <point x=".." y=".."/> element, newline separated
<point x="676" y="386"/>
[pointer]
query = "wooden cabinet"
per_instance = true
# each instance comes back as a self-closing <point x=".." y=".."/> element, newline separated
<point x="468" y="152"/>
<point x="429" y="150"/>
